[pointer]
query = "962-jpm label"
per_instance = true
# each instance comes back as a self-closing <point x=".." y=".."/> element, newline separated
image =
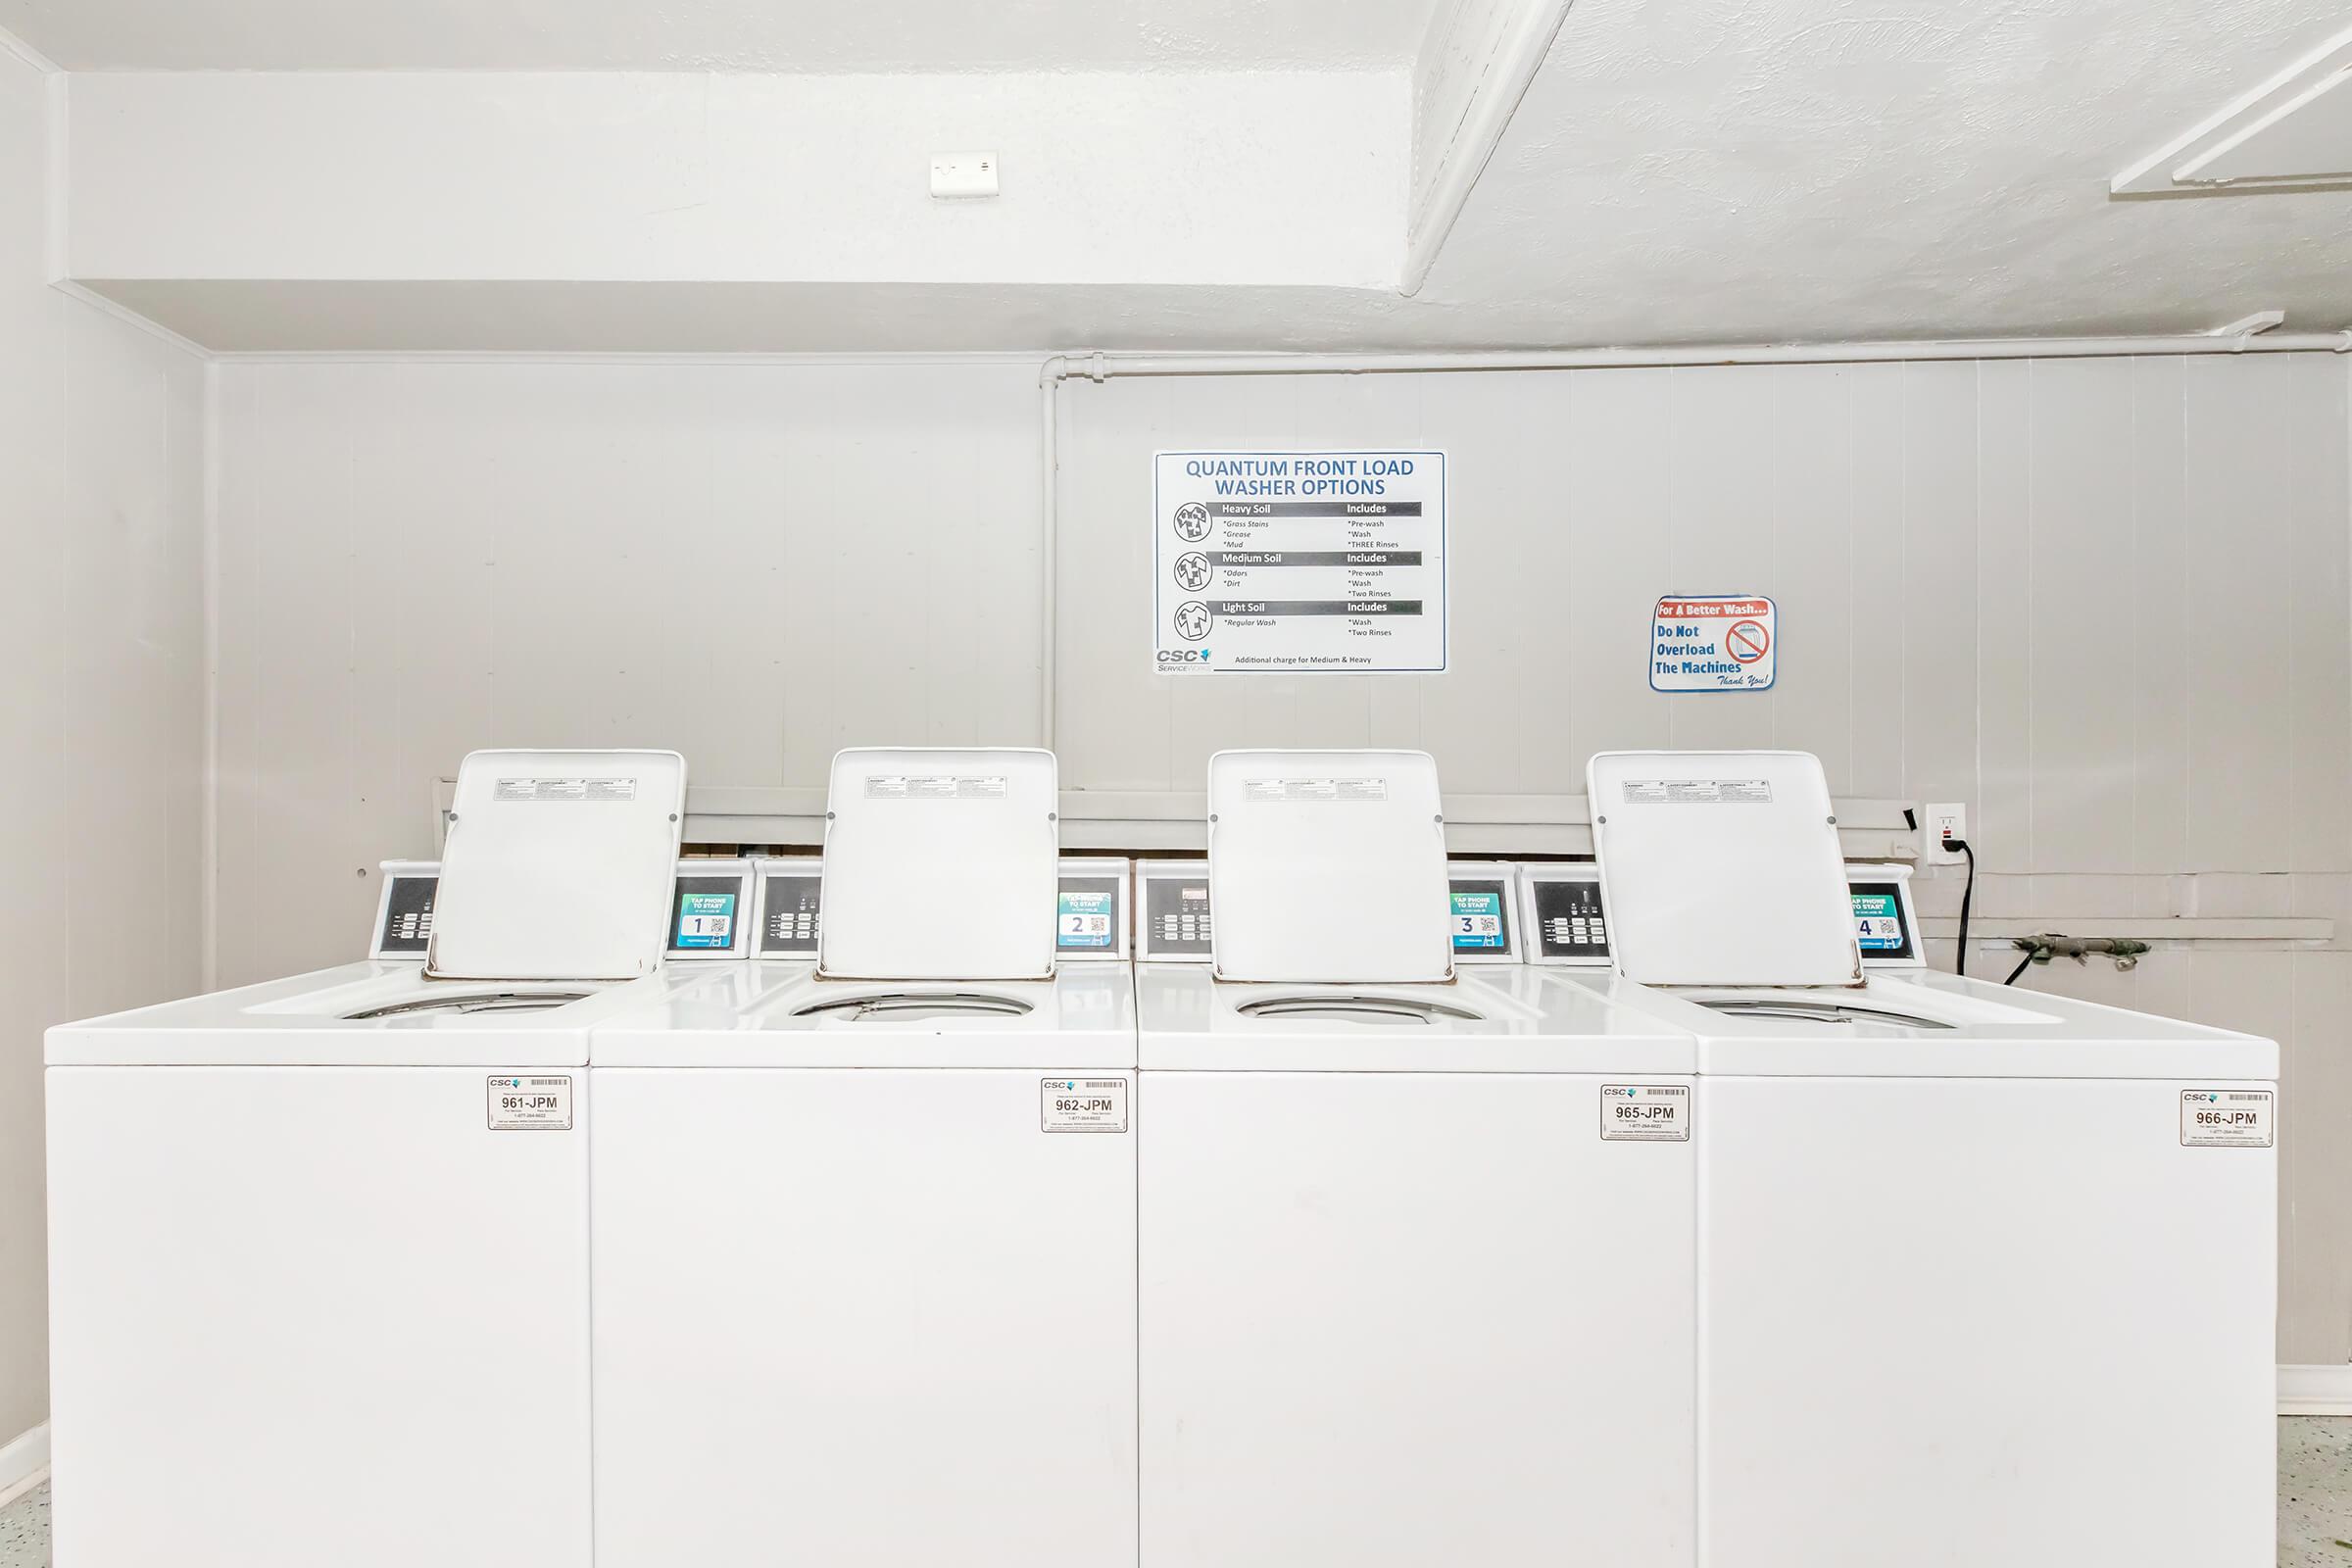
<point x="1085" y="1105"/>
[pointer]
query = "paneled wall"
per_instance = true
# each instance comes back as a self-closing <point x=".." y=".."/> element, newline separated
<point x="2039" y="587"/>
<point x="757" y="564"/>
<point x="101" y="696"/>
<point x="2108" y="604"/>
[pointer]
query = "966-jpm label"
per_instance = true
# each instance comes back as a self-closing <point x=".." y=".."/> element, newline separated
<point x="1646" y="1113"/>
<point x="2226" y="1118"/>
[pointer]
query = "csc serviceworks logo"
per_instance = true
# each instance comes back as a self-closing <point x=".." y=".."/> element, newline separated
<point x="1183" y="655"/>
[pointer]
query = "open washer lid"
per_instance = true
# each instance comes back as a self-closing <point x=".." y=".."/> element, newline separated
<point x="1722" y="868"/>
<point x="940" y="865"/>
<point x="1328" y="867"/>
<point x="558" y="866"/>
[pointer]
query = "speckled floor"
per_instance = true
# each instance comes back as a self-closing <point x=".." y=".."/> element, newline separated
<point x="25" y="1531"/>
<point x="2315" y="1492"/>
<point x="2314" y="1501"/>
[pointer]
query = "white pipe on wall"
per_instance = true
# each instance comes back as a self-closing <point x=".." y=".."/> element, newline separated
<point x="1049" y="416"/>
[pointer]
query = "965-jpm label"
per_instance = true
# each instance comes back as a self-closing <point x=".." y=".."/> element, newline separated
<point x="1646" y="1113"/>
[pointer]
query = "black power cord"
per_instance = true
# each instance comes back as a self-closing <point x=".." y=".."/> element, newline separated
<point x="1968" y="892"/>
<point x="2023" y="965"/>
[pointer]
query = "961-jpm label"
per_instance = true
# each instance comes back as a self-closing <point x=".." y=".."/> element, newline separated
<point x="531" y="1104"/>
<point x="2226" y="1118"/>
<point x="1646" y="1113"/>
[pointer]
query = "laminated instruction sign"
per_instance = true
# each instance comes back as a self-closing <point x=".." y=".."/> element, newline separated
<point x="1713" y="642"/>
<point x="1299" y="562"/>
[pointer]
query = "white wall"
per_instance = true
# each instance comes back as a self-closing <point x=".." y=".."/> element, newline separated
<point x="101" y="693"/>
<point x="759" y="562"/>
<point x="1199" y="177"/>
<point x="2106" y="602"/>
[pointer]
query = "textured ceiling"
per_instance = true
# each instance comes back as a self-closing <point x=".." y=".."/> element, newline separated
<point x="716" y="34"/>
<point x="1736" y="169"/>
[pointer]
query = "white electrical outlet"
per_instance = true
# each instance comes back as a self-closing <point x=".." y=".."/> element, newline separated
<point x="1941" y="822"/>
<point x="964" y="174"/>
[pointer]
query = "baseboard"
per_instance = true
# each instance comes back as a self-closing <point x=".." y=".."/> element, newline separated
<point x="23" y="1462"/>
<point x="2324" y="1390"/>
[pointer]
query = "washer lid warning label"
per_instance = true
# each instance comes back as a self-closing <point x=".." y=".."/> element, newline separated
<point x="1646" y="1113"/>
<point x="531" y="1104"/>
<point x="934" y="787"/>
<point x="2226" y="1118"/>
<point x="511" y="791"/>
<point x="1714" y="643"/>
<point x="1697" y="792"/>
<point x="1085" y="1105"/>
<point x="1328" y="563"/>
<point x="1324" y="790"/>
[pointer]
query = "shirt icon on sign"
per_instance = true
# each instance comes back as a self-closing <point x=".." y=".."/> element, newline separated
<point x="1192" y="523"/>
<point x="1192" y="620"/>
<point x="1192" y="571"/>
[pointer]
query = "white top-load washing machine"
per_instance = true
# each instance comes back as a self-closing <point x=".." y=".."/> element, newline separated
<point x="1985" y="1276"/>
<point x="318" y="1247"/>
<point x="865" y="1229"/>
<point x="1416" y="1245"/>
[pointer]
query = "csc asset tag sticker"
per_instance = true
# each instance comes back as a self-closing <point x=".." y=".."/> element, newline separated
<point x="531" y="1104"/>
<point x="1646" y="1113"/>
<point x="1085" y="1105"/>
<point x="2226" y="1118"/>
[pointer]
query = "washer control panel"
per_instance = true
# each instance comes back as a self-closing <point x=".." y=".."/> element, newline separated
<point x="1562" y="909"/>
<point x="1091" y="919"/>
<point x="1175" y="911"/>
<point x="1175" y="924"/>
<point x="404" y="910"/>
<point x="710" y="909"/>
<point x="792" y="894"/>
<point x="1564" y="915"/>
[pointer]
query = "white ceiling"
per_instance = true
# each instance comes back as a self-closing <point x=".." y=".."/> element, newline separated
<point x="1699" y="170"/>
<point x="834" y="35"/>
<point x="1741" y="169"/>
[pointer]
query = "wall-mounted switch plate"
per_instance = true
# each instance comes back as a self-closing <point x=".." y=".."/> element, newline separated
<point x="964" y="174"/>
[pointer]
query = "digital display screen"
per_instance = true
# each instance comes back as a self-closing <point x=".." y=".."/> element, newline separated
<point x="1479" y="920"/>
<point x="703" y="915"/>
<point x="1879" y="920"/>
<point x="1087" y="918"/>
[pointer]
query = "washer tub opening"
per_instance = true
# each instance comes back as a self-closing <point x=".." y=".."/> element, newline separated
<point x="916" y="1007"/>
<point x="468" y="1002"/>
<point x="1326" y="1007"/>
<point x="1795" y="1010"/>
